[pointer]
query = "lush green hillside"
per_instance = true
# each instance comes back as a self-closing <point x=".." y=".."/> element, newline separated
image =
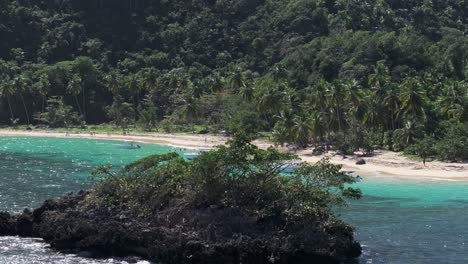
<point x="350" y="73"/>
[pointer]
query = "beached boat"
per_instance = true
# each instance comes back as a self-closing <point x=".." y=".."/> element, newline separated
<point x="192" y="155"/>
<point x="127" y="146"/>
<point x="289" y="168"/>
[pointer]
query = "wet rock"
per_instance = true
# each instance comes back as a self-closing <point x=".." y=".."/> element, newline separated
<point x="7" y="225"/>
<point x="360" y="162"/>
<point x="178" y="235"/>
<point x="24" y="224"/>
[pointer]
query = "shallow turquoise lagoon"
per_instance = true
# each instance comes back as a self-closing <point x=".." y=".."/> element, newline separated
<point x="397" y="221"/>
<point x="35" y="169"/>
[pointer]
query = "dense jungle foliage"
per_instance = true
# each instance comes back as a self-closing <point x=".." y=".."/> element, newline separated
<point x="353" y="74"/>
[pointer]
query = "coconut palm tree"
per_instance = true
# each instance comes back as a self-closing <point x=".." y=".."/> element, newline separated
<point x="317" y="100"/>
<point x="247" y="93"/>
<point x="451" y="102"/>
<point x="150" y="79"/>
<point x="20" y="86"/>
<point x="282" y="131"/>
<point x="135" y="88"/>
<point x="413" y="100"/>
<point x="380" y="77"/>
<point x="236" y="80"/>
<point x="273" y="98"/>
<point x="301" y="130"/>
<point x="190" y="110"/>
<point x="318" y="122"/>
<point x="74" y="88"/>
<point x="7" y="90"/>
<point x="42" y="87"/>
<point x="113" y="82"/>
<point x="372" y="118"/>
<point x="392" y="103"/>
<point x="215" y="83"/>
<point x="336" y="104"/>
<point x="355" y="102"/>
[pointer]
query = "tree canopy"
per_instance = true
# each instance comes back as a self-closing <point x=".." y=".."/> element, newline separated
<point x="312" y="71"/>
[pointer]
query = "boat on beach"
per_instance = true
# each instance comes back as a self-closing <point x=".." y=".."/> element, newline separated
<point x="131" y="145"/>
<point x="193" y="155"/>
<point x="289" y="168"/>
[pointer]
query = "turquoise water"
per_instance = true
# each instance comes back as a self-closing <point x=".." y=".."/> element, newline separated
<point x="397" y="221"/>
<point x="35" y="169"/>
<point x="403" y="221"/>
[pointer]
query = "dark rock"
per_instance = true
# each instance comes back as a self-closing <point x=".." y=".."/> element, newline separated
<point x="85" y="254"/>
<point x="7" y="225"/>
<point x="360" y="162"/>
<point x="24" y="224"/>
<point x="133" y="259"/>
<point x="186" y="235"/>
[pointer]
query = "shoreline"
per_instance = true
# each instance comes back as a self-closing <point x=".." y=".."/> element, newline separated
<point x="384" y="164"/>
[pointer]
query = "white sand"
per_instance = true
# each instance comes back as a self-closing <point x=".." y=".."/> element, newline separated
<point x="382" y="164"/>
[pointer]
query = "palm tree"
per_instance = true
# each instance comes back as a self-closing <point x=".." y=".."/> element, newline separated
<point x="215" y="83"/>
<point x="282" y="131"/>
<point x="113" y="82"/>
<point x="301" y="130"/>
<point x="74" y="88"/>
<point x="236" y="80"/>
<point x="380" y="77"/>
<point x="190" y="110"/>
<point x="412" y="130"/>
<point x="150" y="80"/>
<point x="451" y="102"/>
<point x="20" y="86"/>
<point x="356" y="104"/>
<point x="7" y="90"/>
<point x="247" y="93"/>
<point x="336" y="103"/>
<point x="317" y="97"/>
<point x="392" y="103"/>
<point x="373" y="116"/>
<point x="134" y="86"/>
<point x="273" y="98"/>
<point x="413" y="100"/>
<point x="42" y="87"/>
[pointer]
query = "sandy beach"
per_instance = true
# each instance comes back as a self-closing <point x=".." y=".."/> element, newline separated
<point x="382" y="164"/>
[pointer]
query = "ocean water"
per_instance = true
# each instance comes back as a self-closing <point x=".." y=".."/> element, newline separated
<point x="411" y="222"/>
<point x="397" y="221"/>
<point x="35" y="169"/>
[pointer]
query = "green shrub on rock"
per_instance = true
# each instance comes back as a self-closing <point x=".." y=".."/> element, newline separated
<point x="233" y="197"/>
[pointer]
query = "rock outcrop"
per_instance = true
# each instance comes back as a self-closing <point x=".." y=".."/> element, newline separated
<point x="203" y="235"/>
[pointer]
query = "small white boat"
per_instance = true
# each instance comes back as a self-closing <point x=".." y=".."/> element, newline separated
<point x="357" y="178"/>
<point x="127" y="146"/>
<point x="289" y="168"/>
<point x="191" y="156"/>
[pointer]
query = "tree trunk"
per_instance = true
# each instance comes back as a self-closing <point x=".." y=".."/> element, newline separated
<point x="135" y="107"/>
<point x="78" y="104"/>
<point x="84" y="103"/>
<point x="11" y="109"/>
<point x="25" y="108"/>
<point x="43" y="103"/>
